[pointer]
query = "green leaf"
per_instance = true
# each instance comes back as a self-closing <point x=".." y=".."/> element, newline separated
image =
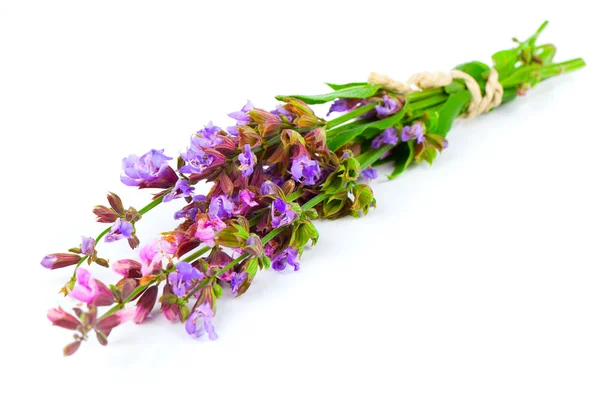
<point x="431" y="120"/>
<point x="504" y="61"/>
<point x="336" y="86"/>
<point x="403" y="157"/>
<point x="353" y="92"/>
<point x="217" y="290"/>
<point x="375" y="128"/>
<point x="363" y="199"/>
<point x="304" y="231"/>
<point x="251" y="267"/>
<point x="478" y="70"/>
<point x="546" y="53"/>
<point x="351" y="115"/>
<point x="370" y="156"/>
<point x="450" y="110"/>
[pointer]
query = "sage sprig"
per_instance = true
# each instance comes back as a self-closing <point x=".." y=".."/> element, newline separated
<point x="271" y="174"/>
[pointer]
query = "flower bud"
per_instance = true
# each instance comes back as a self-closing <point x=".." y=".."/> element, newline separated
<point x="59" y="260"/>
<point x="254" y="245"/>
<point x="170" y="311"/>
<point x="105" y="214"/>
<point x="101" y="338"/>
<point x="106" y="324"/>
<point x="71" y="348"/>
<point x="116" y="203"/>
<point x="128" y="268"/>
<point x="128" y="285"/>
<point x="102" y="262"/>
<point x="61" y="318"/>
<point x="104" y="297"/>
<point x="145" y="304"/>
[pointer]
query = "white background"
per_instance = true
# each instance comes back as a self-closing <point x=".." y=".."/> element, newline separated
<point x="477" y="278"/>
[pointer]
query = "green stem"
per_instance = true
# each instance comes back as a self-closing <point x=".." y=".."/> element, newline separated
<point x="196" y="254"/>
<point x="423" y="95"/>
<point x="429" y="102"/>
<point x="351" y="115"/>
<point x="370" y="156"/>
<point x="543" y="73"/>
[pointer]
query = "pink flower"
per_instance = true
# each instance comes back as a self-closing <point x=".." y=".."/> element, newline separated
<point x="246" y="201"/>
<point x="151" y="259"/>
<point x="90" y="290"/>
<point x="169" y="243"/>
<point x="206" y="229"/>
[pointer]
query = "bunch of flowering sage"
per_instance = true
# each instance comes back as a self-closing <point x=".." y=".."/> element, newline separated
<point x="272" y="173"/>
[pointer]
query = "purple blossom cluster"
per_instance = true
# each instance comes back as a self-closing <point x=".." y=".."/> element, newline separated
<point x="263" y="172"/>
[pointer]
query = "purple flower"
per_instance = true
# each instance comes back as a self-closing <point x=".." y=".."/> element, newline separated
<point x="200" y="321"/>
<point x="305" y="170"/>
<point x="268" y="188"/>
<point x="181" y="280"/>
<point x="150" y="167"/>
<point x="197" y="160"/>
<point x="389" y="136"/>
<point x="347" y="154"/>
<point x="282" y="112"/>
<point x="89" y="290"/>
<point x="88" y="245"/>
<point x="247" y="198"/>
<point x="207" y="137"/>
<point x="370" y="173"/>
<point x="288" y="256"/>
<point x="242" y="116"/>
<point x="343" y="105"/>
<point x="120" y="229"/>
<point x="181" y="189"/>
<point x="237" y="279"/>
<point x="413" y="132"/>
<point x="220" y="207"/>
<point x="188" y="212"/>
<point x="389" y="107"/>
<point x="247" y="161"/>
<point x="281" y="213"/>
<point x="245" y="202"/>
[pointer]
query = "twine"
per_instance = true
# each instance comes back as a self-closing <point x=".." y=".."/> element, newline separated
<point x="429" y="80"/>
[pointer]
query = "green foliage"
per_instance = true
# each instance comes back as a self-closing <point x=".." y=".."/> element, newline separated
<point x="349" y="92"/>
<point x="478" y="70"/>
<point x="336" y="86"/>
<point x="368" y="130"/>
<point x="402" y="156"/>
<point x="363" y="199"/>
<point x="348" y="171"/>
<point x="217" y="290"/>
<point x="451" y="109"/>
<point x="303" y="231"/>
<point x="335" y="205"/>
<point x="370" y="156"/>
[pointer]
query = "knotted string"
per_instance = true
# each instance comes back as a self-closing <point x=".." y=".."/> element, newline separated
<point x="429" y="80"/>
